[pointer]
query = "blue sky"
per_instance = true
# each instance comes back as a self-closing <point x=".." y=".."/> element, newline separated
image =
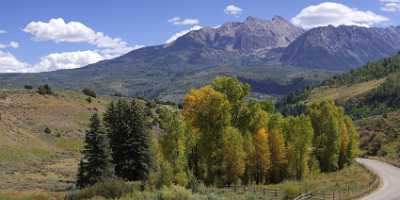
<point x="32" y="35"/>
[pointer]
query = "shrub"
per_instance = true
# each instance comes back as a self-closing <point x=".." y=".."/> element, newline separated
<point x="47" y="130"/>
<point x="111" y="189"/>
<point x="89" y="99"/>
<point x="28" y="87"/>
<point x="292" y="189"/>
<point x="175" y="193"/>
<point x="44" y="90"/>
<point x="89" y="92"/>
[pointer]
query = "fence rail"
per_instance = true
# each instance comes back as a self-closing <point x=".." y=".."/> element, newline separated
<point x="260" y="192"/>
<point x="349" y="193"/>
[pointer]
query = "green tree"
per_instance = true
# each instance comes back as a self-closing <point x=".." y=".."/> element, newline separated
<point x="130" y="139"/>
<point x="324" y="118"/>
<point x="89" y="92"/>
<point x="96" y="163"/>
<point x="173" y="144"/>
<point x="234" y="156"/>
<point x="235" y="91"/>
<point x="299" y="144"/>
<point x="44" y="90"/>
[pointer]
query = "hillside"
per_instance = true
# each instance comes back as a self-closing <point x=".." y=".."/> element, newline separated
<point x="341" y="48"/>
<point x="371" y="95"/>
<point x="32" y="157"/>
<point x="271" y="54"/>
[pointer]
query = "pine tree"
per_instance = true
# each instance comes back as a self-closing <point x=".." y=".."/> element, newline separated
<point x="96" y="163"/>
<point x="129" y="139"/>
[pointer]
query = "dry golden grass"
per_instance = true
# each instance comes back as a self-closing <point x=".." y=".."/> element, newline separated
<point x="29" y="157"/>
<point x="344" y="92"/>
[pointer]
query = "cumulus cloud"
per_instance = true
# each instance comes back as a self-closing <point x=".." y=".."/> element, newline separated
<point x="58" y="30"/>
<point x="182" y="33"/>
<point x="233" y="10"/>
<point x="10" y="64"/>
<point x="66" y="60"/>
<point x="390" y="5"/>
<point x="329" y="13"/>
<point x="186" y="21"/>
<point x="12" y="44"/>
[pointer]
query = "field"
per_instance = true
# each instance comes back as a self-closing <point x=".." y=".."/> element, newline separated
<point x="344" y="92"/>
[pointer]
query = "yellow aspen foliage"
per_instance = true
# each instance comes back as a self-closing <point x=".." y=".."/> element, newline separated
<point x="234" y="156"/>
<point x="278" y="149"/>
<point x="262" y="156"/>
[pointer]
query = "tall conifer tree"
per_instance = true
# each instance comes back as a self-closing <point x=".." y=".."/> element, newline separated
<point x="96" y="163"/>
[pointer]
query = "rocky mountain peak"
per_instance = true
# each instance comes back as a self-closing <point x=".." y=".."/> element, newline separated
<point x="252" y="35"/>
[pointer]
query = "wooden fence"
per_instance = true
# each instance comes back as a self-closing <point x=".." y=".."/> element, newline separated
<point x="259" y="192"/>
<point x="348" y="194"/>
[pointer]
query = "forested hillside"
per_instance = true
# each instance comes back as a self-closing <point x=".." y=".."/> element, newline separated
<point x="218" y="139"/>
<point x="370" y="95"/>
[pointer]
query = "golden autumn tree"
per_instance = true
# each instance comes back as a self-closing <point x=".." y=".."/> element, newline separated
<point x="278" y="149"/>
<point x="208" y="111"/>
<point x="261" y="159"/>
<point x="234" y="156"/>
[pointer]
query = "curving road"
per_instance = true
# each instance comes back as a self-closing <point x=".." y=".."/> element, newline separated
<point x="390" y="177"/>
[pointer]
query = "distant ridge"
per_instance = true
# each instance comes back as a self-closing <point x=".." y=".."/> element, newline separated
<point x="269" y="54"/>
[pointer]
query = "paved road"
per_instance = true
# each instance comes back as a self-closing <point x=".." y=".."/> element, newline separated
<point x="390" y="176"/>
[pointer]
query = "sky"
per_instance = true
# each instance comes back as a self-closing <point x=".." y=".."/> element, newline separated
<point x="48" y="35"/>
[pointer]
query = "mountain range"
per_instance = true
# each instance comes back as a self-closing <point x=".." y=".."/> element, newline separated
<point x="274" y="56"/>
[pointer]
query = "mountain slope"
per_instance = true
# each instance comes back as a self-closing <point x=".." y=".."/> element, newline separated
<point x="30" y="156"/>
<point x="341" y="48"/>
<point x="248" y="50"/>
<point x="274" y="56"/>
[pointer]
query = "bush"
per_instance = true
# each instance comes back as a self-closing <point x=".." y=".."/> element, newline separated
<point x="28" y="87"/>
<point x="47" y="130"/>
<point x="175" y="193"/>
<point x="292" y="189"/>
<point x="89" y="92"/>
<point x="89" y="99"/>
<point x="44" y="90"/>
<point x="109" y="189"/>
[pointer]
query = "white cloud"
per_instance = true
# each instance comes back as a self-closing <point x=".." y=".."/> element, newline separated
<point x="59" y="31"/>
<point x="330" y="13"/>
<point x="66" y="60"/>
<point x="233" y="10"/>
<point x="2" y="31"/>
<point x="182" y="33"/>
<point x="180" y="21"/>
<point x="12" y="44"/>
<point x="10" y="64"/>
<point x="390" y="5"/>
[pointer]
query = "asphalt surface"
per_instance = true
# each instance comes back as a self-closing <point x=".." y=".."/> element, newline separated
<point x="390" y="178"/>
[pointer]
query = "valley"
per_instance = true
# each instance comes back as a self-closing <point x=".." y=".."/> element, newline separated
<point x="293" y="107"/>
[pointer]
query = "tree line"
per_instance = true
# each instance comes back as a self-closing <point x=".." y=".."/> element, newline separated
<point x="217" y="138"/>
